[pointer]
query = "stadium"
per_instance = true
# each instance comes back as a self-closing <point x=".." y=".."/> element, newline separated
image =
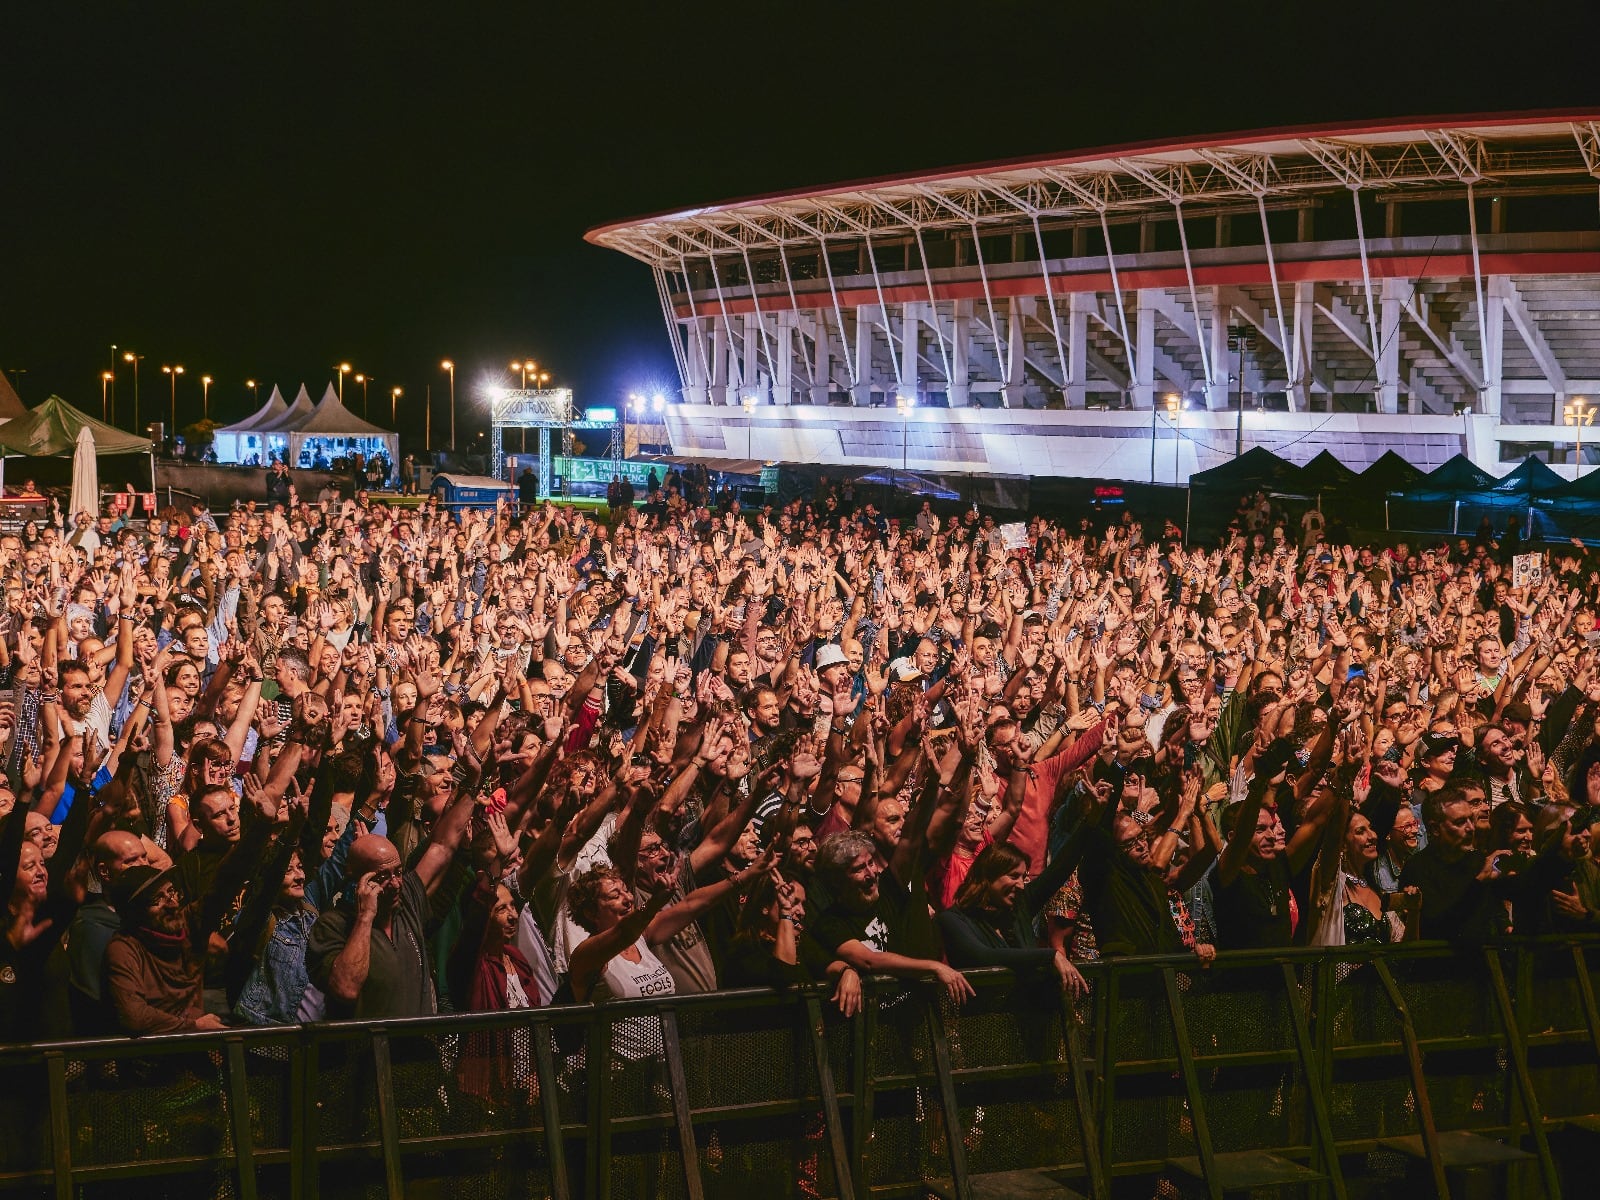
<point x="1149" y="311"/>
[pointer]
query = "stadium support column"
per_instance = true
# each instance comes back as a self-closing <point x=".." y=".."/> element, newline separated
<point x="750" y="368"/>
<point x="863" y="385"/>
<point x="1015" y="351"/>
<point x="1494" y="331"/>
<point x="821" y="364"/>
<point x="1144" y="337"/>
<point x="783" y="357"/>
<point x="908" y="350"/>
<point x="719" y="364"/>
<point x="1300" y="359"/>
<point x="961" y="353"/>
<point x="696" y="389"/>
<point x="1219" y="395"/>
<point x="1077" y="372"/>
<point x="1387" y="351"/>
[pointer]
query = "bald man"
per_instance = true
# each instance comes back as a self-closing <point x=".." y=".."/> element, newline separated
<point x="112" y="856"/>
<point x="369" y="956"/>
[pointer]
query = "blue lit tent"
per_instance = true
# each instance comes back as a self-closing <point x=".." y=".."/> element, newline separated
<point x="244" y="441"/>
<point x="1571" y="509"/>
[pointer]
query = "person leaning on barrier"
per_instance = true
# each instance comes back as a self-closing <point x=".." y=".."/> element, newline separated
<point x="991" y="922"/>
<point x="861" y="927"/>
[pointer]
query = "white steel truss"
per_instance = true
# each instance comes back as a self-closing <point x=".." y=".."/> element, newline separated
<point x="1266" y="166"/>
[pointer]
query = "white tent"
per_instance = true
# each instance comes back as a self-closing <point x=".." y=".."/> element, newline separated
<point x="333" y="431"/>
<point x="243" y="441"/>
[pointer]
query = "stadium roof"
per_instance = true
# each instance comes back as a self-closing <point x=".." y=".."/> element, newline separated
<point x="1238" y="168"/>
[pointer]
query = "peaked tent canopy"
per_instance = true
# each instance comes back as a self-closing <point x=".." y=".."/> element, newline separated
<point x="52" y="429"/>
<point x="1455" y="476"/>
<point x="292" y="417"/>
<point x="1257" y="467"/>
<point x="1391" y="473"/>
<point x="331" y="430"/>
<point x="1326" y="473"/>
<point x="1530" y="476"/>
<point x="243" y="441"/>
<point x="11" y="406"/>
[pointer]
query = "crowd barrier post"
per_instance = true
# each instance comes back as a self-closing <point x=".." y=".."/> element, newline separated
<point x="1517" y="1052"/>
<point x="833" y="1118"/>
<point x="1419" y="1078"/>
<point x="687" y="1150"/>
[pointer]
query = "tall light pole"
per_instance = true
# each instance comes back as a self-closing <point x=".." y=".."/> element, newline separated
<point x="105" y="382"/>
<point x="1578" y="414"/>
<point x="205" y="397"/>
<point x="450" y="368"/>
<point x="343" y="369"/>
<point x="172" y="373"/>
<point x="1175" y="415"/>
<point x="905" y="404"/>
<point x="255" y="391"/>
<point x="1239" y="340"/>
<point x="130" y="357"/>
<point x="749" y="426"/>
<point x="394" y="406"/>
<point x="363" y="380"/>
<point x="113" y="417"/>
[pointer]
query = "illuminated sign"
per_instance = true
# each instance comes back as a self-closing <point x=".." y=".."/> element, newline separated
<point x="601" y="414"/>
<point x="1104" y="492"/>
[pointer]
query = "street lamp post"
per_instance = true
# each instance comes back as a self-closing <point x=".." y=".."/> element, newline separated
<point x="255" y="391"/>
<point x="205" y="397"/>
<point x="394" y="406"/>
<point x="363" y="380"/>
<point x="105" y="382"/>
<point x="450" y="368"/>
<point x="113" y="387"/>
<point x="344" y="369"/>
<point x="749" y="426"/>
<point x="1578" y="414"/>
<point x="172" y="373"/>
<point x="1175" y="415"/>
<point x="130" y="357"/>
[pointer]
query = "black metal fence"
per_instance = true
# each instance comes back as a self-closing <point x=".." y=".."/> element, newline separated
<point x="1337" y="1072"/>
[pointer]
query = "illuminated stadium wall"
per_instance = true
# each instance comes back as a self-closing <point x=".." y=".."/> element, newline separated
<point x="1140" y="313"/>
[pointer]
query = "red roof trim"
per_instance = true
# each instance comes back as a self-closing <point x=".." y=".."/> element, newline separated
<point x="1152" y="146"/>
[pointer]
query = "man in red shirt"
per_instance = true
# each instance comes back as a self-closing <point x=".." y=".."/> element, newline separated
<point x="1038" y="780"/>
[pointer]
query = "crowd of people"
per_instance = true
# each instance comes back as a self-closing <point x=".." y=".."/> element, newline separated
<point x="334" y="759"/>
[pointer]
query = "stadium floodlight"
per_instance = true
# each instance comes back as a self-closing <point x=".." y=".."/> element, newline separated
<point x="658" y="402"/>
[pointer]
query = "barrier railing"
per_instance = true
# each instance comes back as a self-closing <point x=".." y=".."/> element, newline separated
<point x="1301" y="1068"/>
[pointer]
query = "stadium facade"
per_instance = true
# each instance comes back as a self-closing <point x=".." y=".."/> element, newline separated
<point x="1141" y="313"/>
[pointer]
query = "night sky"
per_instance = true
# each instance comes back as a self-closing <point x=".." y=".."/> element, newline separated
<point x="268" y="189"/>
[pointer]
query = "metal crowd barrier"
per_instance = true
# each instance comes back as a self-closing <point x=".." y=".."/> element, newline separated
<point x="1332" y="1073"/>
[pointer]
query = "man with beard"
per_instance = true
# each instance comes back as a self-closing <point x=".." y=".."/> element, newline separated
<point x="153" y="968"/>
<point x="111" y="857"/>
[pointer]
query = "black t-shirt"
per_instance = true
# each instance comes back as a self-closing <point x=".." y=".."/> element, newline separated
<point x="1253" y="912"/>
<point x="1455" y="906"/>
<point x="877" y="928"/>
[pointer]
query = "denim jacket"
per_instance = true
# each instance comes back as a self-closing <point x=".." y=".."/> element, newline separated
<point x="273" y="991"/>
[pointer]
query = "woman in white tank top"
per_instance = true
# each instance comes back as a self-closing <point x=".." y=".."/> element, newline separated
<point x="615" y="962"/>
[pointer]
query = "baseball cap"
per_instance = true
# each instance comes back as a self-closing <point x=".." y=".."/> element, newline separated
<point x="904" y="670"/>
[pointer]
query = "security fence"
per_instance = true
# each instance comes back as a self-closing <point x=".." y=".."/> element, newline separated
<point x="1352" y="1072"/>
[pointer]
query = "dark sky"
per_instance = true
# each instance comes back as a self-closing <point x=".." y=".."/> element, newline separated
<point x="268" y="189"/>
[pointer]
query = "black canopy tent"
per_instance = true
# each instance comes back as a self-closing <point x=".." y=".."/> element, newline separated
<point x="1256" y="470"/>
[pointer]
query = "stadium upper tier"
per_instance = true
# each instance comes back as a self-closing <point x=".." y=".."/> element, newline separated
<point x="1428" y="271"/>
